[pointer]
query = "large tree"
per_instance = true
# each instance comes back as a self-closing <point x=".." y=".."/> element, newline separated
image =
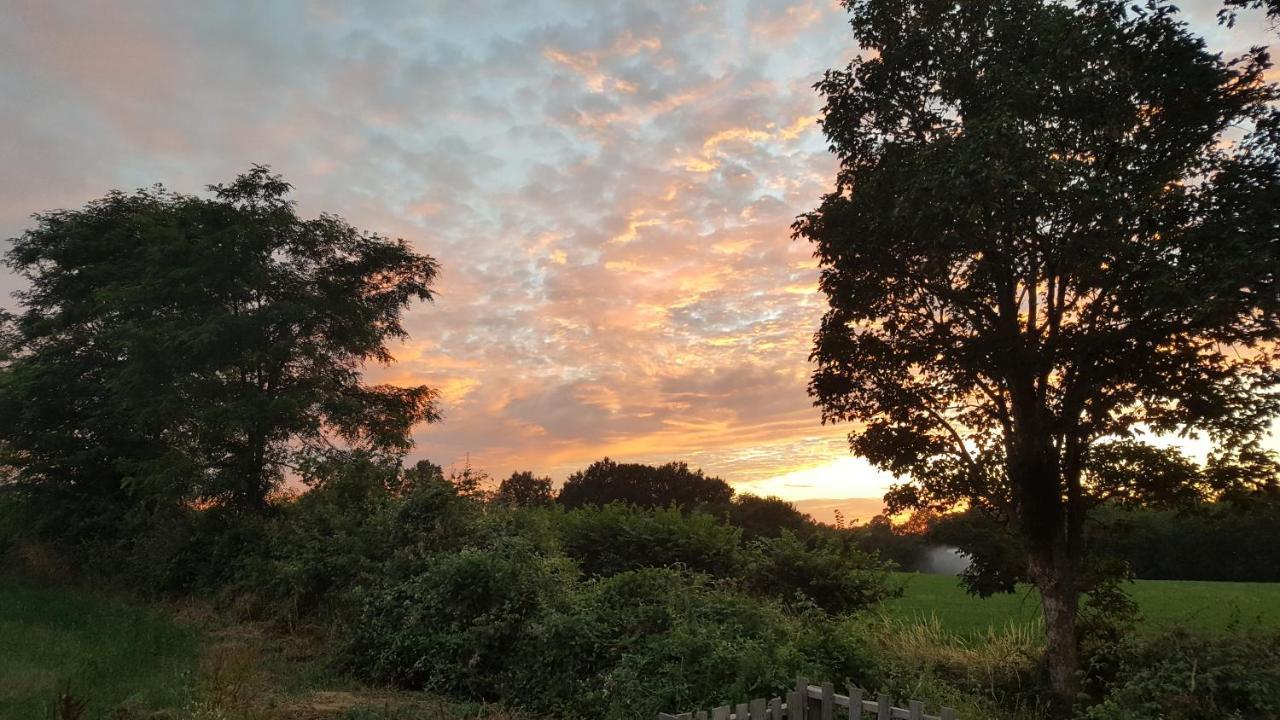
<point x="1054" y="230"/>
<point x="673" y="483"/>
<point x="191" y="348"/>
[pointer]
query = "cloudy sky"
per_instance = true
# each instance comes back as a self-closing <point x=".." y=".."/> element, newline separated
<point x="607" y="185"/>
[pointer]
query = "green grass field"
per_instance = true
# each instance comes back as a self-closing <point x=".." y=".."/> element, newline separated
<point x="105" y="653"/>
<point x="1209" y="606"/>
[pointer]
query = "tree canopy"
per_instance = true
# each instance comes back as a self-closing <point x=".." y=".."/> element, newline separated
<point x="606" y="481"/>
<point x="1054" y="229"/>
<point x="193" y="348"/>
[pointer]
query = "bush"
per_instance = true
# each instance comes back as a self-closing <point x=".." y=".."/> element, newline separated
<point x="507" y="622"/>
<point x="834" y="577"/>
<point x="1182" y="676"/>
<point x="619" y="537"/>
<point x="324" y="543"/>
<point x="463" y="622"/>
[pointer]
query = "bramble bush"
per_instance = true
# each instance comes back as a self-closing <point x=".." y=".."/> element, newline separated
<point x="1184" y="676"/>
<point x="619" y="537"/>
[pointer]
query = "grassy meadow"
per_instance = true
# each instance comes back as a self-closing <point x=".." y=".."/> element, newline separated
<point x="1195" y="605"/>
<point x="100" y="651"/>
<point x="71" y="654"/>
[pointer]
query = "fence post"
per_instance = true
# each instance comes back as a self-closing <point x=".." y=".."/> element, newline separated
<point x="948" y="713"/>
<point x="855" y="703"/>
<point x="775" y="709"/>
<point x="720" y="713"/>
<point x="828" y="701"/>
<point x="916" y="710"/>
<point x="795" y="706"/>
<point x="885" y="710"/>
<point x="741" y="712"/>
<point x="758" y="709"/>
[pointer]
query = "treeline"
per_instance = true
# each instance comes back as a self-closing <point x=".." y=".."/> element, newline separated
<point x="1233" y="539"/>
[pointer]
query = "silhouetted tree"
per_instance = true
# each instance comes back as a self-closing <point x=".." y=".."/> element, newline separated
<point x="674" y="483"/>
<point x="767" y="516"/>
<point x="524" y="489"/>
<point x="1045" y="236"/>
<point x="471" y="482"/>
<point x="179" y="347"/>
<point x="1232" y="7"/>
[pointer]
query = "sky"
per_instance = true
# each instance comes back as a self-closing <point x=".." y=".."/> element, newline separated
<point x="608" y="187"/>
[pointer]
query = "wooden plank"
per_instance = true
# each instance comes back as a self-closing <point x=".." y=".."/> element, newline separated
<point x="758" y="708"/>
<point x="948" y="714"/>
<point x="720" y="713"/>
<point x="666" y="716"/>
<point x="684" y="716"/>
<point x="855" y="703"/>
<point x="915" y="710"/>
<point x="884" y="711"/>
<point x="828" y="701"/>
<point x="702" y="715"/>
<point x="742" y="713"/>
<point x="775" y="709"/>
<point x="795" y="706"/>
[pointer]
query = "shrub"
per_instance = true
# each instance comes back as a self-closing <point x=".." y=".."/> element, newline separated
<point x="835" y="577"/>
<point x="618" y="537"/>
<point x="463" y="621"/>
<point x="322" y="544"/>
<point x="508" y="622"/>
<point x="1182" y="676"/>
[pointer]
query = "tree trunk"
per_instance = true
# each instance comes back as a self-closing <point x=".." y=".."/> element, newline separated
<point x="1059" y="596"/>
<point x="1049" y="527"/>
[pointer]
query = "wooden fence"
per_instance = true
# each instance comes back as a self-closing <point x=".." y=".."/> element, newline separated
<point x="814" y="702"/>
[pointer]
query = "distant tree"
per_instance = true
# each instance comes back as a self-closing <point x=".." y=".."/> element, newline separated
<point x="674" y="483"/>
<point x="880" y="536"/>
<point x="766" y="516"/>
<point x="524" y="489"/>
<point x="1054" y="226"/>
<point x="471" y="482"/>
<point x="180" y="347"/>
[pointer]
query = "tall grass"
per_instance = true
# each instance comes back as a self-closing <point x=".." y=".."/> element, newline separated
<point x="58" y="647"/>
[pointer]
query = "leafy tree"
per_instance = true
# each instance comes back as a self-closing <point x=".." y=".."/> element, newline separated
<point x="172" y="347"/>
<point x="767" y="516"/>
<point x="471" y="482"/>
<point x="524" y="489"/>
<point x="1231" y="7"/>
<point x="1053" y="227"/>
<point x="646" y="486"/>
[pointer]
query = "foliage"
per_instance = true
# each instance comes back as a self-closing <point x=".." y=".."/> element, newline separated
<point x="766" y="516"/>
<point x="618" y="537"/>
<point x="498" y="622"/>
<point x="174" y="348"/>
<point x="1182" y="676"/>
<point x="646" y="486"/>
<point x="524" y="489"/>
<point x="1041" y="242"/>
<point x="897" y="545"/>
<point x="326" y="542"/>
<point x="835" y="577"/>
<point x="1236" y="540"/>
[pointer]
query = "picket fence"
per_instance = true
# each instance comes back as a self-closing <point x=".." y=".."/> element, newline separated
<point x="816" y="702"/>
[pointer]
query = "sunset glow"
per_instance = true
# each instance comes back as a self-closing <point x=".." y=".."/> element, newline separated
<point x="607" y="187"/>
